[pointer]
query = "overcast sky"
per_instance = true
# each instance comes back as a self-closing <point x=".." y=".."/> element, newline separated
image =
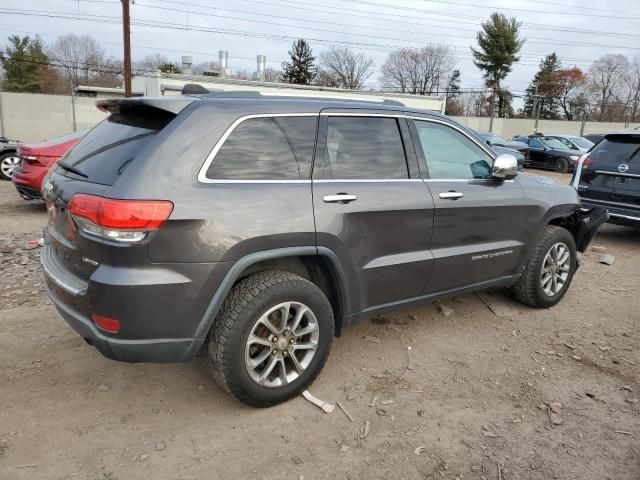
<point x="579" y="31"/>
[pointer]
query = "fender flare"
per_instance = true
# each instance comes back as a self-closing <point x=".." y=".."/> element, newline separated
<point x="243" y="263"/>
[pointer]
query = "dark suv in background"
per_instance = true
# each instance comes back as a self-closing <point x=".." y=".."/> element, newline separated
<point x="609" y="176"/>
<point x="260" y="228"/>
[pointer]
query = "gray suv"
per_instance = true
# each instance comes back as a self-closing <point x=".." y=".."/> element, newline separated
<point x="257" y="229"/>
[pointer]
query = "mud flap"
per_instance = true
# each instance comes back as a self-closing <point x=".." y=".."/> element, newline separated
<point x="586" y="224"/>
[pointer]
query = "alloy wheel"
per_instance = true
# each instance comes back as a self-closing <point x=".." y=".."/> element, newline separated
<point x="282" y="344"/>
<point x="8" y="164"/>
<point x="555" y="269"/>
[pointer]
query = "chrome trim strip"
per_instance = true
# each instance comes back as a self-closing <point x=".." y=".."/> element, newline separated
<point x="48" y="265"/>
<point x="202" y="177"/>
<point x="202" y="174"/>
<point x="627" y="217"/>
<point x="611" y="203"/>
<point x="366" y="180"/>
<point x="618" y="174"/>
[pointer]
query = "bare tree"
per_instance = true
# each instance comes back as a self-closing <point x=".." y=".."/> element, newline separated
<point x="327" y="78"/>
<point x="272" y="74"/>
<point x="205" y="68"/>
<point x="605" y="82"/>
<point x="84" y="61"/>
<point x="631" y="91"/>
<point x="345" y="68"/>
<point x="151" y="63"/>
<point x="423" y="72"/>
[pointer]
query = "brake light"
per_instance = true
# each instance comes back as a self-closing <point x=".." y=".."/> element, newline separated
<point x="587" y="162"/>
<point x="107" y="324"/>
<point x="119" y="220"/>
<point x="44" y="160"/>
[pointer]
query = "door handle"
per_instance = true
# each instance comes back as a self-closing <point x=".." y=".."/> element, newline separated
<point x="339" y="198"/>
<point x="451" y="195"/>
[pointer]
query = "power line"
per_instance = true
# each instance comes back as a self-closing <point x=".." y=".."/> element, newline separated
<point x="144" y="5"/>
<point x="411" y="19"/>
<point x="183" y="27"/>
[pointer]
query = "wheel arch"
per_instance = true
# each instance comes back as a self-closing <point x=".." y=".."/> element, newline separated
<point x="318" y="264"/>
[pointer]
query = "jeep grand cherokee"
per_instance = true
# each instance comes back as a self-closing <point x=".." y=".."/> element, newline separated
<point x="256" y="229"/>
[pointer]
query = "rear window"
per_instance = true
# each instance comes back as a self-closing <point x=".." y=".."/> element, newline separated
<point x="616" y="150"/>
<point x="105" y="152"/>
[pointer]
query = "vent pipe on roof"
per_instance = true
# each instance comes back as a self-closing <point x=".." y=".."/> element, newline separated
<point x="261" y="61"/>
<point x="223" y="57"/>
<point x="187" y="62"/>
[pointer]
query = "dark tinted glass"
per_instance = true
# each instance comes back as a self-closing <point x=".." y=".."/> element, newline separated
<point x="450" y="154"/>
<point x="365" y="148"/>
<point x="105" y="151"/>
<point x="616" y="150"/>
<point x="276" y="148"/>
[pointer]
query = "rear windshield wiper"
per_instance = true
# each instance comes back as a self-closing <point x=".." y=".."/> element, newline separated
<point x="632" y="154"/>
<point x="72" y="169"/>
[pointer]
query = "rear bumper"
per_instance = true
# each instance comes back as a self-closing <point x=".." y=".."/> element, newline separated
<point x="72" y="297"/>
<point x="618" y="213"/>
<point x="133" y="351"/>
<point x="28" y="180"/>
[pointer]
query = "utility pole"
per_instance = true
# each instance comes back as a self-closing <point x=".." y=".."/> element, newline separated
<point x="536" y="110"/>
<point x="493" y="104"/>
<point x="126" y="31"/>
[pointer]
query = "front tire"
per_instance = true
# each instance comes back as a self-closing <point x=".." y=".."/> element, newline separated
<point x="550" y="269"/>
<point x="562" y="165"/>
<point x="271" y="338"/>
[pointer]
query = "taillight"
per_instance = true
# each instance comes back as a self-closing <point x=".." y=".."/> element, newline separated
<point x="44" y="160"/>
<point x="587" y="162"/>
<point x="119" y="220"/>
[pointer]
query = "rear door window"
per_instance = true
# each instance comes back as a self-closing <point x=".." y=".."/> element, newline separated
<point x="365" y="148"/>
<point x="104" y="153"/>
<point x="270" y="148"/>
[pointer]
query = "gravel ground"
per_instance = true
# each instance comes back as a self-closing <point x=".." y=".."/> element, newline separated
<point x="525" y="394"/>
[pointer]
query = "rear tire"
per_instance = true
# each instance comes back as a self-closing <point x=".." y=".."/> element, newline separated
<point x="249" y="328"/>
<point x="562" y="165"/>
<point x="549" y="270"/>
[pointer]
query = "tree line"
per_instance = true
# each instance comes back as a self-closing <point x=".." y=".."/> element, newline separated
<point x="608" y="91"/>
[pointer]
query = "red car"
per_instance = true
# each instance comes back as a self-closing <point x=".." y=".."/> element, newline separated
<point x="36" y="159"/>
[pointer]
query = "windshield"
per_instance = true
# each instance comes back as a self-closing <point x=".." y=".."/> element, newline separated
<point x="552" y="143"/>
<point x="496" y="139"/>
<point x="581" y="142"/>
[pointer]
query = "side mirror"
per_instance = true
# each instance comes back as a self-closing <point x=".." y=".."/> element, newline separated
<point x="505" y="167"/>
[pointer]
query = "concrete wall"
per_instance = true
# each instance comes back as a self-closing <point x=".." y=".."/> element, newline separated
<point x="508" y="127"/>
<point x="31" y="117"/>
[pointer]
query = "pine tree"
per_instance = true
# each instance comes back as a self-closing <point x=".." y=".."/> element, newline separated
<point x="24" y="63"/>
<point x="547" y="88"/>
<point x="301" y="69"/>
<point x="499" y="44"/>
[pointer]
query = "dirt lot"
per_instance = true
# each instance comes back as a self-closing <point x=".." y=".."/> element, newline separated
<point x="467" y="405"/>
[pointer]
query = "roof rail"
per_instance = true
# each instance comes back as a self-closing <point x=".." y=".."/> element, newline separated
<point x="258" y="94"/>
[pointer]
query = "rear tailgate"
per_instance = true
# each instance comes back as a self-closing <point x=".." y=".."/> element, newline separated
<point x="610" y="174"/>
<point x="92" y="167"/>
